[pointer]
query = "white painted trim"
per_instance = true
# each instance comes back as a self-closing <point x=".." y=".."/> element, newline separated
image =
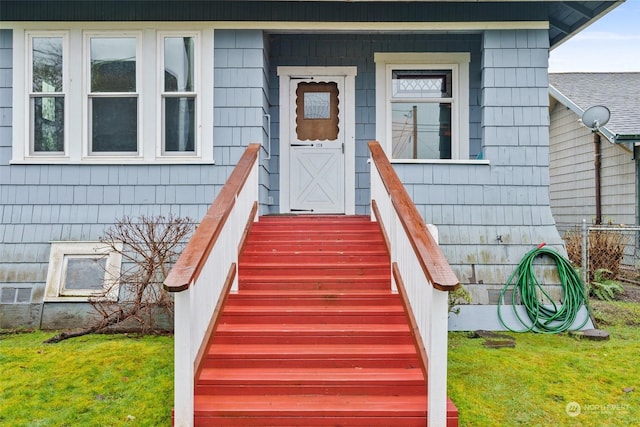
<point x="195" y="93"/>
<point x="62" y="249"/>
<point x="349" y="74"/>
<point x="458" y="62"/>
<point x="301" y="25"/>
<point x="76" y="72"/>
<point x="440" y="162"/>
<point x="141" y="89"/>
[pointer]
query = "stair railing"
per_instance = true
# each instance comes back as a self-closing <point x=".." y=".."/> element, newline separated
<point x="204" y="273"/>
<point x="421" y="273"/>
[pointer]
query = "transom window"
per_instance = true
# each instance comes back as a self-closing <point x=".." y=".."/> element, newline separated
<point x="114" y="96"/>
<point x="422" y="106"/>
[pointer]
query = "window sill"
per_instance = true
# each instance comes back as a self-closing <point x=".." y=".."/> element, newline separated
<point x="112" y="161"/>
<point x="440" y="161"/>
<point x="77" y="299"/>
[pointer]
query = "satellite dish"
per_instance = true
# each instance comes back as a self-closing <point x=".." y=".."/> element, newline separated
<point x="596" y="117"/>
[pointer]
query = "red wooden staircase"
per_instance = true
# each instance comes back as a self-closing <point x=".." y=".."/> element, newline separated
<point x="314" y="336"/>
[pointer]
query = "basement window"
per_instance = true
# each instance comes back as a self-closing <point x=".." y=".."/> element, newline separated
<point x="79" y="271"/>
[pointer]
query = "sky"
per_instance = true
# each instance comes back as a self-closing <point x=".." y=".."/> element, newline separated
<point x="611" y="44"/>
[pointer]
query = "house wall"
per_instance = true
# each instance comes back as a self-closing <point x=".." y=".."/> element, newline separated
<point x="43" y="203"/>
<point x="572" y="175"/>
<point x="358" y="50"/>
<point x="570" y="169"/>
<point x="490" y="216"/>
<point x="618" y="184"/>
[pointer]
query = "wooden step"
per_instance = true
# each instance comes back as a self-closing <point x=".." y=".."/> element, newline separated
<point x="316" y="410"/>
<point x="314" y="335"/>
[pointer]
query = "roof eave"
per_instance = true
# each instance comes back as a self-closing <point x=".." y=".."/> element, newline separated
<point x="564" y="100"/>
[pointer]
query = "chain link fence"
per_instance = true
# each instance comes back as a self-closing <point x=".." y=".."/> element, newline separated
<point x="608" y="252"/>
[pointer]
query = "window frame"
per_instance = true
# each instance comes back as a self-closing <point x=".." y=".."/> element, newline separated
<point x="88" y="95"/>
<point x="161" y="147"/>
<point x="31" y="95"/>
<point x="76" y="114"/>
<point x="63" y="250"/>
<point x="458" y="63"/>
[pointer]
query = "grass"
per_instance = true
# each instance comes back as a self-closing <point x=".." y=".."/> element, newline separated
<point x="115" y="380"/>
<point x="533" y="383"/>
<point x="95" y="380"/>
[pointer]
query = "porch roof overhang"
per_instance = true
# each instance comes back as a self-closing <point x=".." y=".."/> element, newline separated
<point x="563" y="18"/>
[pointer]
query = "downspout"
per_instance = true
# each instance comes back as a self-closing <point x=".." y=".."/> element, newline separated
<point x="597" y="167"/>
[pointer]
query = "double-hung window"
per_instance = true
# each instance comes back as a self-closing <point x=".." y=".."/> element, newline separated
<point x="108" y="95"/>
<point x="113" y="98"/>
<point x="47" y="93"/>
<point x="422" y="106"/>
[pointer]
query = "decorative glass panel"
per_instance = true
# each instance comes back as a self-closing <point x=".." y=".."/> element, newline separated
<point x="178" y="64"/>
<point x="113" y="64"/>
<point x="84" y="273"/>
<point x="317" y="111"/>
<point x="421" y="130"/>
<point x="47" y="64"/>
<point x="48" y="123"/>
<point x="421" y="84"/>
<point x="179" y="123"/>
<point x="114" y="124"/>
<point x="316" y="105"/>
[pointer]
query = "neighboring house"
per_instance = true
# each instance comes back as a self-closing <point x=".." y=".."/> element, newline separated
<point x="111" y="108"/>
<point x="572" y="165"/>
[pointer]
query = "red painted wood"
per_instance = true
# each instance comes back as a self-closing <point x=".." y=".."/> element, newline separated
<point x="314" y="336"/>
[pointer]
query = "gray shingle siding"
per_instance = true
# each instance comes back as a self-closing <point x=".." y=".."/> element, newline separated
<point x="489" y="216"/>
<point x="43" y="203"/>
<point x="354" y="50"/>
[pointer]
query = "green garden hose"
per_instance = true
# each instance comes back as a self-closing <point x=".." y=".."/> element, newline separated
<point x="550" y="318"/>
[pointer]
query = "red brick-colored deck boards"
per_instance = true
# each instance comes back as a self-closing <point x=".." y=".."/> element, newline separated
<point x="314" y="336"/>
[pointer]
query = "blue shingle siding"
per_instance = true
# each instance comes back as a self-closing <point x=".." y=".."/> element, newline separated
<point x="355" y="50"/>
<point x="43" y="203"/>
<point x="489" y="216"/>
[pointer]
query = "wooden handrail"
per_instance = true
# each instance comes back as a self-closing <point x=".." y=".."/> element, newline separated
<point x="195" y="253"/>
<point x="432" y="260"/>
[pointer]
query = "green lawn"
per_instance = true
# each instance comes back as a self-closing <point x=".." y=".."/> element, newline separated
<point x="95" y="380"/>
<point x="114" y="380"/>
<point x="533" y="383"/>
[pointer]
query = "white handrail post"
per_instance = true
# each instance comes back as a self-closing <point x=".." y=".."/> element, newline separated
<point x="438" y="345"/>
<point x="183" y="363"/>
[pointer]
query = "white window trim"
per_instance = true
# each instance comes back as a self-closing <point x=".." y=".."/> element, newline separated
<point x="60" y="250"/>
<point x="140" y="95"/>
<point x="28" y="82"/>
<point x="459" y="64"/>
<point x="160" y="147"/>
<point x="75" y="89"/>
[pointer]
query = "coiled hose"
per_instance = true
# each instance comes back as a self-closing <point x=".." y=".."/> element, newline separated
<point x="550" y="318"/>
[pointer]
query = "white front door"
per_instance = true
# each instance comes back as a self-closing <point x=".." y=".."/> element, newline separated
<point x="316" y="141"/>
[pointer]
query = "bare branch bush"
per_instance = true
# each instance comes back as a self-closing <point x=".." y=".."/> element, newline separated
<point x="134" y="300"/>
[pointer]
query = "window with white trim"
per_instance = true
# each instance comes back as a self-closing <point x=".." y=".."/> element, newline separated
<point x="82" y="270"/>
<point x="106" y="96"/>
<point x="422" y="106"/>
<point x="178" y="94"/>
<point x="112" y="96"/>
<point x="47" y="92"/>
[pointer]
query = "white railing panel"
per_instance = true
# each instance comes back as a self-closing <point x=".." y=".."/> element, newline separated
<point x="195" y="306"/>
<point x="429" y="305"/>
